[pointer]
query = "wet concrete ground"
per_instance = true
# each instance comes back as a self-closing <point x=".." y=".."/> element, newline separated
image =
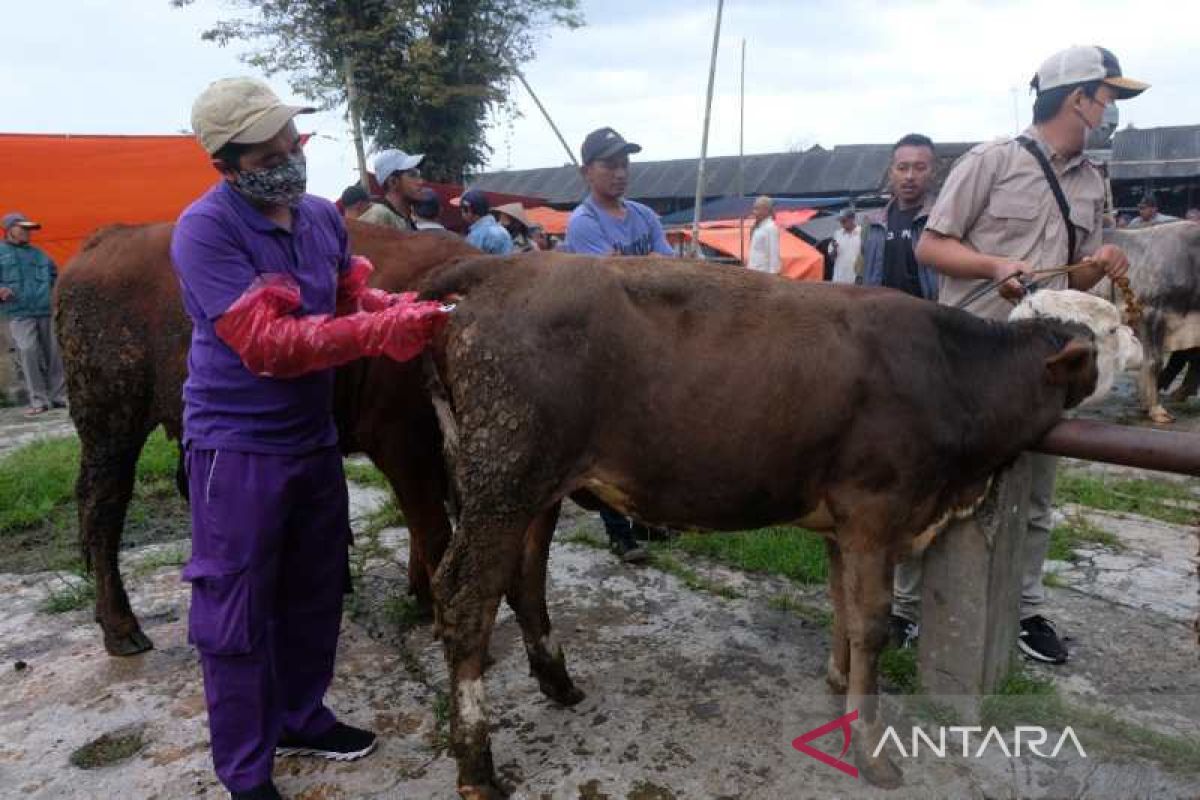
<point x="688" y="694"/>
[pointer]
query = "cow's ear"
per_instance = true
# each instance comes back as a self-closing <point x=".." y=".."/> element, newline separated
<point x="1076" y="357"/>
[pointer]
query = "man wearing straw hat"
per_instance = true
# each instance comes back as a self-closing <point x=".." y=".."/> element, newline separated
<point x="1010" y="208"/>
<point x="511" y="217"/>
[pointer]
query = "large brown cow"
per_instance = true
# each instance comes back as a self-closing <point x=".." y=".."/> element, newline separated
<point x="743" y="401"/>
<point x="124" y="338"/>
<point x="1164" y="274"/>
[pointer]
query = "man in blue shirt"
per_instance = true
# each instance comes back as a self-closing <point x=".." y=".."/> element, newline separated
<point x="606" y="223"/>
<point x="483" y="231"/>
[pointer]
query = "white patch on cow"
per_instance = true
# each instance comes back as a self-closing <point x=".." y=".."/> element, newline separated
<point x="925" y="538"/>
<point x="1116" y="347"/>
<point x="1182" y="331"/>
<point x="550" y="644"/>
<point x="472" y="708"/>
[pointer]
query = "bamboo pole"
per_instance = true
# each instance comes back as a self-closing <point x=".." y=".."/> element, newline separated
<point x="546" y="114"/>
<point x="356" y="124"/>
<point x="712" y="70"/>
<point x="741" y="154"/>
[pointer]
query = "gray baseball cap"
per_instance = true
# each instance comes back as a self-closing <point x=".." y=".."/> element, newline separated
<point x="1081" y="64"/>
<point x="15" y="218"/>
<point x="241" y="111"/>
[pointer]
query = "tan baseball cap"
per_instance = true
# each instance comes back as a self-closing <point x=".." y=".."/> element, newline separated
<point x="240" y="110"/>
<point x="1081" y="64"/>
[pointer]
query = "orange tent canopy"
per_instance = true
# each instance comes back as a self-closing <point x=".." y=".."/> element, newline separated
<point x="73" y="185"/>
<point x="553" y="222"/>
<point x="799" y="260"/>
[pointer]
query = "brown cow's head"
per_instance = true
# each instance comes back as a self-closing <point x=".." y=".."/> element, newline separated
<point x="1074" y="366"/>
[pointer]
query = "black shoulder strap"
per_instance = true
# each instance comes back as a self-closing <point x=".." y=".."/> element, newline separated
<point x="1059" y="197"/>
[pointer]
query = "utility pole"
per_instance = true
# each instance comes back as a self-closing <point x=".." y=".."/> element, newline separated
<point x="741" y="187"/>
<point x="521" y="77"/>
<point x="712" y="69"/>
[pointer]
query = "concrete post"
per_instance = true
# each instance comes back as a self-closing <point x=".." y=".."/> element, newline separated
<point x="971" y="594"/>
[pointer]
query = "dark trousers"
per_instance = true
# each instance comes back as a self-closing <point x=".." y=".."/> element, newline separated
<point x="618" y="527"/>
<point x="1179" y="359"/>
<point x="269" y="568"/>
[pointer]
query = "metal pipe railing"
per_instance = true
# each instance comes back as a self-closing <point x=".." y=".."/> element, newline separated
<point x="1165" y="451"/>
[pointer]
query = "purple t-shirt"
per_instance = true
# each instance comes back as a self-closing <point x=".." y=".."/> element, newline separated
<point x="220" y="245"/>
<point x="591" y="229"/>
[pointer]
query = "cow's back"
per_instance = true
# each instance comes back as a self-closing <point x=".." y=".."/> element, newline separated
<point x="1164" y="273"/>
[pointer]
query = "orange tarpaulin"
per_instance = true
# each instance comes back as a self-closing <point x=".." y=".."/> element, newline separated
<point x="76" y="184"/>
<point x="798" y="260"/>
<point x="553" y="222"/>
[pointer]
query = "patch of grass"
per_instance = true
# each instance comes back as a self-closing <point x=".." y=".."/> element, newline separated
<point x="1078" y="531"/>
<point x="108" y="749"/>
<point x="585" y="538"/>
<point x="39" y="478"/>
<point x="401" y="611"/>
<point x="1166" y="501"/>
<point x="1053" y="580"/>
<point x="69" y="595"/>
<point x="794" y="553"/>
<point x="805" y="611"/>
<point x="668" y="563"/>
<point x="388" y="515"/>
<point x="170" y="556"/>
<point x="1023" y="698"/>
<point x="366" y="474"/>
<point x="441" y="722"/>
<point x="899" y="668"/>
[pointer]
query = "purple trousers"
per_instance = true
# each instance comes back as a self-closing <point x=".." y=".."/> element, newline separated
<point x="269" y="568"/>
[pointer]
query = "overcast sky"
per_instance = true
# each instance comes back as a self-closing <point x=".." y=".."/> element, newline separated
<point x="829" y="73"/>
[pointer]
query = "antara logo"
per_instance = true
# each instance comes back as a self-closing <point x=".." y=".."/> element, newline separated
<point x="1033" y="737"/>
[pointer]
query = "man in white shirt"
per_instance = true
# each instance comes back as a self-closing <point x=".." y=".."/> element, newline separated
<point x="848" y="241"/>
<point x="764" y="241"/>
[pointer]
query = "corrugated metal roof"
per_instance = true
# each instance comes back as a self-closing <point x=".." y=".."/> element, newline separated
<point x="1170" y="152"/>
<point x="845" y="170"/>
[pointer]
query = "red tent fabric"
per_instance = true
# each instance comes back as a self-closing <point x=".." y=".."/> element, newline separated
<point x="76" y="184"/>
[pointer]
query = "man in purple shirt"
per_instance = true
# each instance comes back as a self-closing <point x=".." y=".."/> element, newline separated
<point x="276" y="301"/>
<point x="607" y="224"/>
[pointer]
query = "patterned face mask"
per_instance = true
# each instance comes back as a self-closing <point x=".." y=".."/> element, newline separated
<point x="283" y="185"/>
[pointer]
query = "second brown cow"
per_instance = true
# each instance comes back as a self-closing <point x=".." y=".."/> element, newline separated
<point x="690" y="395"/>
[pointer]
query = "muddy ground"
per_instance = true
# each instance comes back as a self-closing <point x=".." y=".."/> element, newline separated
<point x="690" y="693"/>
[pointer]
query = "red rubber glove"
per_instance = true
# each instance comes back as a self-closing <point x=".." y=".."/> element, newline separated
<point x="353" y="294"/>
<point x="273" y="343"/>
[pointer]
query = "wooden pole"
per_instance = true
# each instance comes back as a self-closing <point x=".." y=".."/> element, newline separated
<point x="546" y="114"/>
<point x="741" y="154"/>
<point x="356" y="124"/>
<point x="712" y="71"/>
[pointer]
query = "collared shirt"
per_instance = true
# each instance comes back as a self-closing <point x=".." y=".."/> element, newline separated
<point x="1157" y="219"/>
<point x="489" y="236"/>
<point x="382" y="213"/>
<point x="591" y="229"/>
<point x="30" y="274"/>
<point x="220" y="245"/>
<point x="849" y="246"/>
<point x="764" y="247"/>
<point x="997" y="201"/>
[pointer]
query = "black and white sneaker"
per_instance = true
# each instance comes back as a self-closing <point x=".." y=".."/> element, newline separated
<point x="1039" y="640"/>
<point x="629" y="551"/>
<point x="266" y="791"/>
<point x="902" y="633"/>
<point x="340" y="743"/>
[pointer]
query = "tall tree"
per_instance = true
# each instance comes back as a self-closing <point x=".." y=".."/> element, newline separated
<point x="428" y="73"/>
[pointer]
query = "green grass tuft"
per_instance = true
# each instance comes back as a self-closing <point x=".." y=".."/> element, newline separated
<point x="1076" y="532"/>
<point x="899" y="668"/>
<point x="69" y="596"/>
<point x="1166" y="501"/>
<point x="662" y="560"/>
<point x="806" y="611"/>
<point x="366" y="474"/>
<point x="794" y="553"/>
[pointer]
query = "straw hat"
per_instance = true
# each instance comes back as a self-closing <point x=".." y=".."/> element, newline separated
<point x="516" y="211"/>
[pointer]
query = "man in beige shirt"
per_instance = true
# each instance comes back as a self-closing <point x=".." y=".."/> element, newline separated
<point x="399" y="175"/>
<point x="997" y="216"/>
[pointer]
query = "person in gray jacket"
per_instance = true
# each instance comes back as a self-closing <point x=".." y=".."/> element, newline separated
<point x="891" y="233"/>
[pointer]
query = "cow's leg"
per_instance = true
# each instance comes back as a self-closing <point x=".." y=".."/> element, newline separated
<point x="867" y="589"/>
<point x="838" y="673"/>
<point x="420" y="489"/>
<point x="1148" y="385"/>
<point x="527" y="597"/>
<point x="103" y="491"/>
<point x="475" y="571"/>
<point x="1191" y="378"/>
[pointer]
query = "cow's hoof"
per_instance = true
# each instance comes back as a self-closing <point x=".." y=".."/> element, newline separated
<point x="565" y="695"/>
<point x="836" y="679"/>
<point x="488" y="792"/>
<point x="1160" y="416"/>
<point x="880" y="771"/>
<point x="130" y="644"/>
